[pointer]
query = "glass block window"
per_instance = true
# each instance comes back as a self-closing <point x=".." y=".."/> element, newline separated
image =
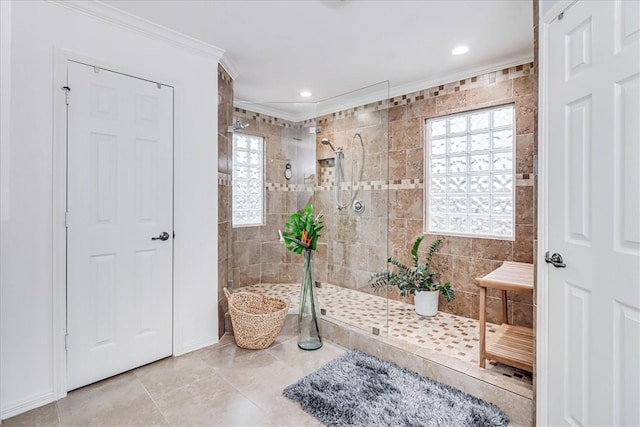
<point x="469" y="174"/>
<point x="247" y="180"/>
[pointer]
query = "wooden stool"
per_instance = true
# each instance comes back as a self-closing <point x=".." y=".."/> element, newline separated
<point x="511" y="345"/>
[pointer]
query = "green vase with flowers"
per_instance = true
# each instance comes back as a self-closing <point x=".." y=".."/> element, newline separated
<point x="301" y="234"/>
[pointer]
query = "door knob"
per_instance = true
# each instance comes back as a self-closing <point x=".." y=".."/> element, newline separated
<point x="163" y="236"/>
<point x="556" y="260"/>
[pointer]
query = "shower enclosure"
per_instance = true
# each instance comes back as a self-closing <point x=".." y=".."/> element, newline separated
<point x="335" y="155"/>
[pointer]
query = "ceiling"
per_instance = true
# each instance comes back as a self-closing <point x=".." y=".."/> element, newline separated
<point x="330" y="48"/>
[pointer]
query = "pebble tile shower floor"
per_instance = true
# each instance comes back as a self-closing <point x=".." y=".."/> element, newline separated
<point x="452" y="340"/>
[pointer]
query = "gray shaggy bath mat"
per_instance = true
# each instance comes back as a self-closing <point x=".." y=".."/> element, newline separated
<point x="357" y="389"/>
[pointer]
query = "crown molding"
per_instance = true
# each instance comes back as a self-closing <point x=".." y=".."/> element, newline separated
<point x="229" y="66"/>
<point x="134" y="23"/>
<point x="441" y="79"/>
<point x="269" y="110"/>
<point x="358" y="98"/>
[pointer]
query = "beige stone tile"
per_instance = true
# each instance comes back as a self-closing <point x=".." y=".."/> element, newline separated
<point x="523" y="85"/>
<point x="453" y="245"/>
<point x="422" y="108"/>
<point x="524" y="297"/>
<point x="172" y="373"/>
<point x="121" y="400"/>
<point x="288" y="413"/>
<point x="403" y="358"/>
<point x="521" y="314"/>
<point x="519" y="409"/>
<point x="210" y="401"/>
<point x="366" y="343"/>
<point x="466" y="270"/>
<point x="524" y="205"/>
<point x="259" y="376"/>
<point x="490" y="93"/>
<point x="405" y="203"/>
<point x="525" y="149"/>
<point x="525" y="114"/>
<point x="397" y="112"/>
<point x="303" y="362"/>
<point x="523" y="245"/>
<point x="494" y="310"/>
<point x="500" y="250"/>
<point x="334" y="333"/>
<point x="415" y="163"/>
<point x="460" y="306"/>
<point x="248" y="275"/>
<point x="442" y="265"/>
<point x="451" y="102"/>
<point x="365" y="118"/>
<point x="406" y="134"/>
<point x="44" y="416"/>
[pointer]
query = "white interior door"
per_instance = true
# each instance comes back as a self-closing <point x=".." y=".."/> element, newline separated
<point x="593" y="215"/>
<point x="119" y="196"/>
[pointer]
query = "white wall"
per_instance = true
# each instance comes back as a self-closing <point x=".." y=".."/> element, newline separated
<point x="31" y="298"/>
<point x="546" y="5"/>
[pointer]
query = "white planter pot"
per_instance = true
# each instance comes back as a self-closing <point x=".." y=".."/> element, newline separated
<point x="426" y="302"/>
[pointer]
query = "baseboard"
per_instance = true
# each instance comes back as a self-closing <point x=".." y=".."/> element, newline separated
<point x="28" y="404"/>
<point x="197" y="346"/>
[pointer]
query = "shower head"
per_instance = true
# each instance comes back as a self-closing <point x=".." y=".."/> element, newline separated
<point x="326" y="141"/>
<point x="238" y="125"/>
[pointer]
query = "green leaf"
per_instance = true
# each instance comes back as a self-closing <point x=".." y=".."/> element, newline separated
<point x="447" y="291"/>
<point x="297" y="224"/>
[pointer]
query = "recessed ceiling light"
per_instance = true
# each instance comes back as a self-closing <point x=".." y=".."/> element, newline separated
<point x="305" y="94"/>
<point x="460" y="50"/>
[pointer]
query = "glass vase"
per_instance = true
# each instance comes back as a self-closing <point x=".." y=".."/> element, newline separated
<point x="309" y="335"/>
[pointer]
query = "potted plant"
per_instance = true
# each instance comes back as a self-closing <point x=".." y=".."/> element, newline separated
<point x="417" y="280"/>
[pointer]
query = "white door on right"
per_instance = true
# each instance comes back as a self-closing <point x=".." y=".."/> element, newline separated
<point x="594" y="215"/>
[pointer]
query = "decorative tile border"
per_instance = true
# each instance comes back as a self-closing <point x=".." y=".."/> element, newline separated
<point x="224" y="179"/>
<point x="522" y="180"/>
<point x="264" y="118"/>
<point x="466" y="84"/>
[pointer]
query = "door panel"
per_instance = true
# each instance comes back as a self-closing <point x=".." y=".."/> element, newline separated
<point x="593" y="215"/>
<point x="119" y="280"/>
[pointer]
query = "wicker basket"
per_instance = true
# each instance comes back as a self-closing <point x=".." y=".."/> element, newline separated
<point x="256" y="319"/>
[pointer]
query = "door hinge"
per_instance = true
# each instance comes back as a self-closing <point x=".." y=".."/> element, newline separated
<point x="66" y="342"/>
<point x="67" y="94"/>
<point x="66" y="219"/>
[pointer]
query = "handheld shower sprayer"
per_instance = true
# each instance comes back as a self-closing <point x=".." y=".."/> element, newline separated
<point x="326" y="141"/>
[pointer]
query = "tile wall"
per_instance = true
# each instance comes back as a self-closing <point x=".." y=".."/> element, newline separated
<point x="460" y="260"/>
<point x="356" y="242"/>
<point x="392" y="189"/>
<point x="225" y="116"/>
<point x="259" y="256"/>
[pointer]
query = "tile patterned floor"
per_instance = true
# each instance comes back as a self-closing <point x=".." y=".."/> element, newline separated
<point x="221" y="385"/>
<point x="451" y="335"/>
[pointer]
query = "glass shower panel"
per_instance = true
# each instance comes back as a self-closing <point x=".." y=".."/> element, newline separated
<point x="352" y="192"/>
<point x="300" y="158"/>
<point x="258" y="258"/>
